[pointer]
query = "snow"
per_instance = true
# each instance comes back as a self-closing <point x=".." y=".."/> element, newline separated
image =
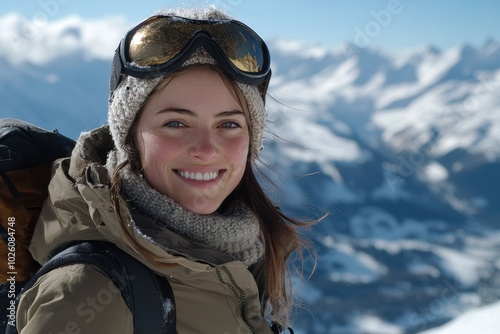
<point x="450" y="108"/>
<point x="315" y="141"/>
<point x="370" y="324"/>
<point x="435" y="172"/>
<point x="465" y="267"/>
<point x="302" y="49"/>
<point x="423" y="269"/>
<point x="357" y="324"/>
<point x="484" y="320"/>
<point x="350" y="265"/>
<point x="168" y="307"/>
<point x="435" y="66"/>
<point x="375" y="224"/>
<point x="425" y="112"/>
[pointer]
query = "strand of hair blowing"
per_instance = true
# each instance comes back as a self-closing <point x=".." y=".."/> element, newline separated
<point x="281" y="238"/>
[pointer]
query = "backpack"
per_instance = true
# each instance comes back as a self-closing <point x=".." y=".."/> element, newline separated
<point x="26" y="156"/>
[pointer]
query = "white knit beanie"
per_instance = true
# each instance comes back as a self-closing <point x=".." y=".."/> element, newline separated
<point x="132" y="93"/>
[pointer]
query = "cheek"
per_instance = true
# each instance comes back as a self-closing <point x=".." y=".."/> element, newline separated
<point x="156" y="150"/>
<point x="238" y="150"/>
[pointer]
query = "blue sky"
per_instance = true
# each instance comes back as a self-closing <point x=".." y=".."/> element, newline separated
<point x="390" y="24"/>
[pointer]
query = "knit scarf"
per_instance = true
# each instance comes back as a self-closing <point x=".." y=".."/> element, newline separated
<point x="236" y="233"/>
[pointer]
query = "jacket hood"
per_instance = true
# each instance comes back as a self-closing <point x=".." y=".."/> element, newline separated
<point x="65" y="216"/>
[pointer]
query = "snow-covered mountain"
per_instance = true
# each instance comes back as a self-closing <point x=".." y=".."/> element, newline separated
<point x="406" y="146"/>
<point x="402" y="149"/>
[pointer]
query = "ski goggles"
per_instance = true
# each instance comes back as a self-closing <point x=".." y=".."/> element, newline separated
<point x="161" y="44"/>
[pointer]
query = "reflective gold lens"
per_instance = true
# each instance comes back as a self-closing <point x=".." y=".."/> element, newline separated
<point x="246" y="63"/>
<point x="158" y="41"/>
<point x="240" y="47"/>
<point x="151" y="46"/>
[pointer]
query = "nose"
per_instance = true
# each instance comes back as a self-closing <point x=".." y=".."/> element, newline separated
<point x="203" y="145"/>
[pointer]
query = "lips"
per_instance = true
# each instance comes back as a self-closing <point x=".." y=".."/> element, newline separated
<point x="198" y="176"/>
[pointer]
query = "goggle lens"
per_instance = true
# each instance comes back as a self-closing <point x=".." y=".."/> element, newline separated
<point x="160" y="39"/>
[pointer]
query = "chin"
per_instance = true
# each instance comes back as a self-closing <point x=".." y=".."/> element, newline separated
<point x="203" y="206"/>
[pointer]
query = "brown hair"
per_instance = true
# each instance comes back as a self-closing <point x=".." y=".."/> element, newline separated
<point x="279" y="232"/>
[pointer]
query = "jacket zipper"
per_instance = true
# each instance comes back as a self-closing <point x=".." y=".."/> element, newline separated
<point x="238" y="292"/>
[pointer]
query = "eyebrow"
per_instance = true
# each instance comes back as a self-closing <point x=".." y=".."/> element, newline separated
<point x="230" y="113"/>
<point x="176" y="110"/>
<point x="193" y="114"/>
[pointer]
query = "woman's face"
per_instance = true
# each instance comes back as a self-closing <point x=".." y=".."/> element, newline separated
<point x="193" y="140"/>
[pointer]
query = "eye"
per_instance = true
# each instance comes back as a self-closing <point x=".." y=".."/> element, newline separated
<point x="173" y="124"/>
<point x="230" y="125"/>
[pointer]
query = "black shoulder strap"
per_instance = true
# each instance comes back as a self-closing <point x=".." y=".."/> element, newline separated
<point x="277" y="329"/>
<point x="148" y="296"/>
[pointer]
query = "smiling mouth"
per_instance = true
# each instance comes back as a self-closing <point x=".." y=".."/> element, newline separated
<point x="198" y="176"/>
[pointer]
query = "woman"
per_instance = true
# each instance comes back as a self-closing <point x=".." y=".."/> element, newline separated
<point x="171" y="182"/>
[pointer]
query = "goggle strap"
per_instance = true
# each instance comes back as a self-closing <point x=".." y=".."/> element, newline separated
<point x="116" y="73"/>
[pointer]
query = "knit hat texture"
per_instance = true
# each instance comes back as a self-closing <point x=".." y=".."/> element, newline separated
<point x="132" y="93"/>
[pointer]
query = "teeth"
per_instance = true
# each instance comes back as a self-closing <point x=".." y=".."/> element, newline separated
<point x="199" y="176"/>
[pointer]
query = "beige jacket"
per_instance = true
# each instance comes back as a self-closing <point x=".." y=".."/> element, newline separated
<point x="80" y="299"/>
